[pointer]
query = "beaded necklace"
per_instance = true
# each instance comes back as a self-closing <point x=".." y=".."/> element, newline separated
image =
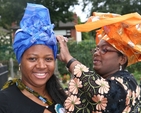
<point x="21" y="86"/>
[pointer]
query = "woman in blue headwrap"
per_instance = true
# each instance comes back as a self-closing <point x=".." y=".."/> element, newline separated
<point x="35" y="46"/>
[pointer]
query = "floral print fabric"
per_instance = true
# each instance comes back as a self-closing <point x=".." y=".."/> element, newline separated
<point x="90" y="93"/>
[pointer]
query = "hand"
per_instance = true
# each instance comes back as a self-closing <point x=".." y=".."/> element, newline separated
<point x="64" y="54"/>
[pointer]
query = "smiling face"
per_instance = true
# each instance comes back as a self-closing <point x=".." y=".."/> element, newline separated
<point x="106" y="59"/>
<point x="37" y="66"/>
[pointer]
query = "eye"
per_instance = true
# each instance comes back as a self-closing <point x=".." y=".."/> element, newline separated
<point x="104" y="50"/>
<point x="32" y="59"/>
<point x="49" y="59"/>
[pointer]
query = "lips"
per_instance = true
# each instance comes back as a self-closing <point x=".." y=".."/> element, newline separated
<point x="96" y="61"/>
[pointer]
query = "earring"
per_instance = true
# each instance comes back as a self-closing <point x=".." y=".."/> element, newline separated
<point x="120" y="68"/>
<point x="19" y="67"/>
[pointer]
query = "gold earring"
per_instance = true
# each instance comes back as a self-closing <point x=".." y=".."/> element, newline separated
<point x="19" y="67"/>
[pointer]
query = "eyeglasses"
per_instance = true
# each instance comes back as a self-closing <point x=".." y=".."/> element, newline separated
<point x="102" y="50"/>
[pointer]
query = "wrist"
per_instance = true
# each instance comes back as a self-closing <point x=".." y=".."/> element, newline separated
<point x="70" y="62"/>
<point x="68" y="58"/>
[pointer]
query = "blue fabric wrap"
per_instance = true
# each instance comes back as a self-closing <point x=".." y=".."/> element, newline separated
<point x="35" y="28"/>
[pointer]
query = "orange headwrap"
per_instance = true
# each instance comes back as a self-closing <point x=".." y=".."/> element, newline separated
<point x="123" y="32"/>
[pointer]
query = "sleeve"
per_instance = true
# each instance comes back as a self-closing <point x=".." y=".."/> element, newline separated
<point x="3" y="103"/>
<point x="90" y="93"/>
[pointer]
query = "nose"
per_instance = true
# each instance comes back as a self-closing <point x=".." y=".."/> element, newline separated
<point x="41" y="64"/>
<point x="96" y="52"/>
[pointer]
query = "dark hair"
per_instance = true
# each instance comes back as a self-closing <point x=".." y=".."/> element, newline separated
<point x="126" y="63"/>
<point x="56" y="91"/>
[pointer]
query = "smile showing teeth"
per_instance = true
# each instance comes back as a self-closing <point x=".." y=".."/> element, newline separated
<point x="40" y="74"/>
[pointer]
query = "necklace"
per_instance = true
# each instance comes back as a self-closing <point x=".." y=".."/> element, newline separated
<point x="21" y="86"/>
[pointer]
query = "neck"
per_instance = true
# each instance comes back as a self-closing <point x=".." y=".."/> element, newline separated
<point x="40" y="93"/>
<point x="107" y="75"/>
<point x="39" y="89"/>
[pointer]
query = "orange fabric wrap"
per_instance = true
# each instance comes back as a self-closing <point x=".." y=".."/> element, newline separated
<point x="123" y="32"/>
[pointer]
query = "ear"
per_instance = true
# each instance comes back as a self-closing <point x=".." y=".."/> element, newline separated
<point x="123" y="60"/>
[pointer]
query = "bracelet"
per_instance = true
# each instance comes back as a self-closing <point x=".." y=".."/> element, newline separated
<point x="70" y="62"/>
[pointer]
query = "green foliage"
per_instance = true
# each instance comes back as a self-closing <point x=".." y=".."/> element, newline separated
<point x="81" y="51"/>
<point x="13" y="10"/>
<point x="113" y="6"/>
<point x="135" y="69"/>
<point x="85" y="36"/>
<point x="6" y="51"/>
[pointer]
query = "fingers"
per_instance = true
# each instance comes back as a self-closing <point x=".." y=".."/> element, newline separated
<point x="64" y="52"/>
<point x="65" y="39"/>
<point x="61" y="39"/>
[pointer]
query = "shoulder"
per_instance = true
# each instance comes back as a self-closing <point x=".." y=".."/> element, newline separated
<point x="10" y="89"/>
<point x="126" y="79"/>
<point x="118" y="92"/>
<point x="9" y="92"/>
<point x="124" y="87"/>
<point x="2" y="95"/>
<point x="4" y="100"/>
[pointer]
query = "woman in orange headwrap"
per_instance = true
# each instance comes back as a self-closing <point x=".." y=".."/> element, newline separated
<point x="110" y="88"/>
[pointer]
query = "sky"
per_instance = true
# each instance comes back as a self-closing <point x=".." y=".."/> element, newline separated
<point x="78" y="10"/>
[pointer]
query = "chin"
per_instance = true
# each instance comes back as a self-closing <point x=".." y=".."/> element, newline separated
<point x="97" y="70"/>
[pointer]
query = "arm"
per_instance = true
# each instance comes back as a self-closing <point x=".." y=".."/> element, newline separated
<point x="64" y="54"/>
<point x="90" y="92"/>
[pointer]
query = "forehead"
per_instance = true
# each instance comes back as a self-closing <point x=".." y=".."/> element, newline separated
<point x="40" y="49"/>
<point x="103" y="43"/>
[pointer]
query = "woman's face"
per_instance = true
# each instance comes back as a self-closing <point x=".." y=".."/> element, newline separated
<point x="106" y="60"/>
<point x="37" y="65"/>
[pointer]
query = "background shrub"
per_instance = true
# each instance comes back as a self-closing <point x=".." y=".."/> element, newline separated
<point x="81" y="51"/>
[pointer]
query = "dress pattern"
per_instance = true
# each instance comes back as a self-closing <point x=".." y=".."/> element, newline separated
<point x="90" y="93"/>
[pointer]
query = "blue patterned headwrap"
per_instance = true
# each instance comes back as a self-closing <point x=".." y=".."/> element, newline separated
<point x="35" y="28"/>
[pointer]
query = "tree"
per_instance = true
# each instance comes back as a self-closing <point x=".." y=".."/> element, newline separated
<point x="13" y="10"/>
<point x="113" y="6"/>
